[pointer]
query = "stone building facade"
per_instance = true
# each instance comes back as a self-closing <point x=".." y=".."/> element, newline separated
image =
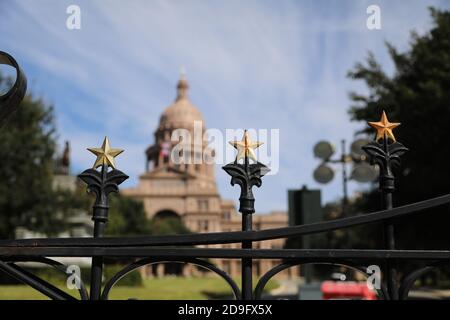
<point x="188" y="190"/>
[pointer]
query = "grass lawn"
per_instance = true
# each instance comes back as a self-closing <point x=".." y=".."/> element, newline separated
<point x="167" y="288"/>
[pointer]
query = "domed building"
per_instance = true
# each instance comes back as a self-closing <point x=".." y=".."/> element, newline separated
<point x="186" y="189"/>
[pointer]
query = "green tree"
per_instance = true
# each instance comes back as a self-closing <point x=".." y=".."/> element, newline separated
<point x="27" y="146"/>
<point x="164" y="226"/>
<point x="417" y="94"/>
<point x="27" y="195"/>
<point x="127" y="217"/>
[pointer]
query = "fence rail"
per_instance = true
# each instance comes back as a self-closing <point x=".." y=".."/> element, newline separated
<point x="234" y="236"/>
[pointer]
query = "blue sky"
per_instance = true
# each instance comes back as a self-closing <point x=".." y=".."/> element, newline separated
<point x="250" y="64"/>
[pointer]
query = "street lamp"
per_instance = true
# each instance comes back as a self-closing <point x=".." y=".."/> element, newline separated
<point x="361" y="171"/>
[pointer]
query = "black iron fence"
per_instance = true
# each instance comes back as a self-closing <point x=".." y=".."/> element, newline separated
<point x="145" y="250"/>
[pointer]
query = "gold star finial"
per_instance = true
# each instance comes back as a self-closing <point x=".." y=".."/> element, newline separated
<point x="105" y="154"/>
<point x="246" y="147"/>
<point x="384" y="128"/>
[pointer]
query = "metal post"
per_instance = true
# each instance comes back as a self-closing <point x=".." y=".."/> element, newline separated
<point x="344" y="180"/>
<point x="246" y="175"/>
<point x="387" y="187"/>
<point x="386" y="155"/>
<point x="247" y="210"/>
<point x="100" y="217"/>
<point x="101" y="184"/>
<point x="247" y="275"/>
<point x="346" y="238"/>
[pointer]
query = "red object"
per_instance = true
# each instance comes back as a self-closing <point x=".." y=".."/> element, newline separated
<point x="347" y="290"/>
<point x="165" y="149"/>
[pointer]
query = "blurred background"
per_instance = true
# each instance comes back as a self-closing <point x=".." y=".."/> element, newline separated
<point x="315" y="70"/>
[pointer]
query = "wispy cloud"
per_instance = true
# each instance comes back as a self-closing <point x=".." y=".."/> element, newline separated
<point x="253" y="64"/>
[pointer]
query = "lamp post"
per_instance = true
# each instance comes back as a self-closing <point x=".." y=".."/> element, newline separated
<point x="361" y="171"/>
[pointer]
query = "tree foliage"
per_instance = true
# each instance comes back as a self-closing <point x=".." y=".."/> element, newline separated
<point x="417" y="94"/>
<point x="27" y="146"/>
<point x="164" y="226"/>
<point x="27" y="194"/>
<point x="127" y="217"/>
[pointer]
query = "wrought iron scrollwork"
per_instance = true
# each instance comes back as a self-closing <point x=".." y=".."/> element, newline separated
<point x="386" y="156"/>
<point x="382" y="292"/>
<point x="101" y="184"/>
<point x="246" y="176"/>
<point x="148" y="261"/>
<point x="10" y="267"/>
<point x="9" y="102"/>
<point x="409" y="279"/>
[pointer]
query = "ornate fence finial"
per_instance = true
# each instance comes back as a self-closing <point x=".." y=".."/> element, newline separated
<point x="101" y="184"/>
<point x="244" y="174"/>
<point x="386" y="155"/>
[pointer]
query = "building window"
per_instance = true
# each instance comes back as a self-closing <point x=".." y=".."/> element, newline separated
<point x="203" y="205"/>
<point x="226" y="215"/>
<point x="198" y="158"/>
<point x="203" y="225"/>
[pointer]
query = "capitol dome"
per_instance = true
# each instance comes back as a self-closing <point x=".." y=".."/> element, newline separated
<point x="181" y="113"/>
